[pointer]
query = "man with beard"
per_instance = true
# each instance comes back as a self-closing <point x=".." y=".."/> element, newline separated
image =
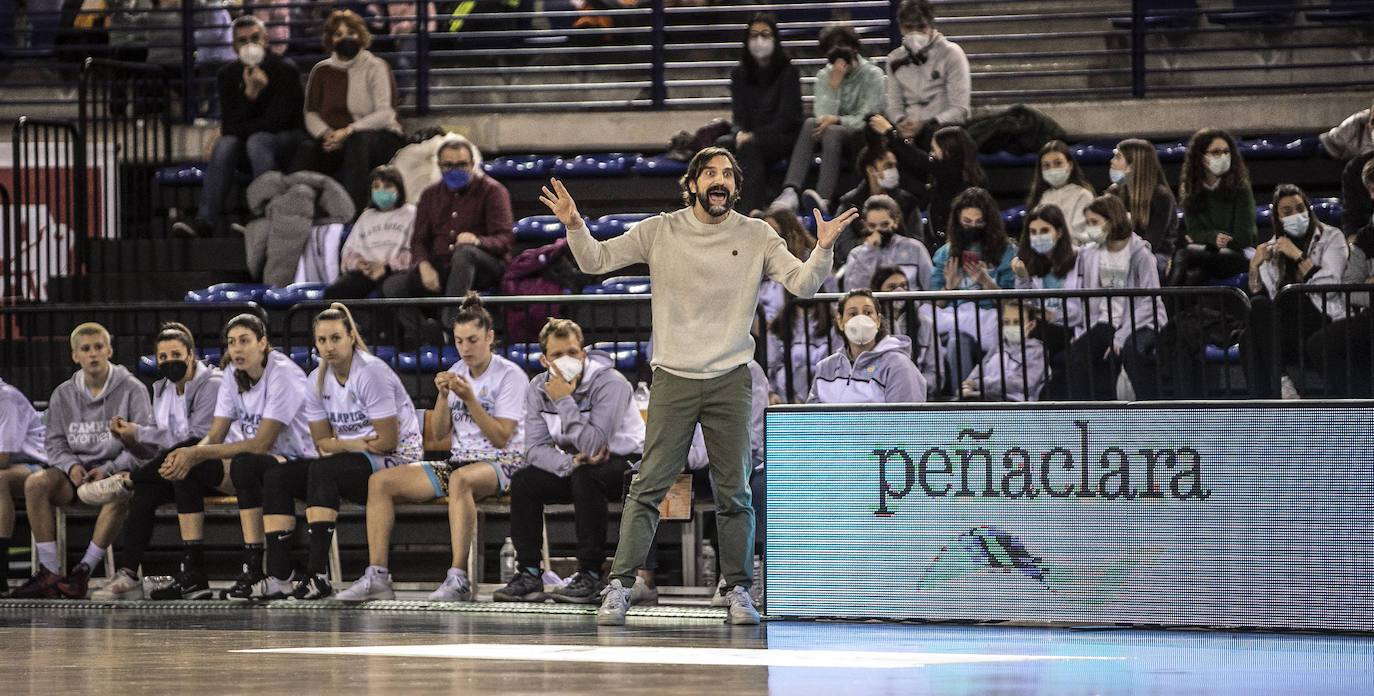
<point x="705" y="262"/>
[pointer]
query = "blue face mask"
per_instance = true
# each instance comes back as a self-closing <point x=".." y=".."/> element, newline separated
<point x="1117" y="176"/>
<point x="1042" y="244"/>
<point x="384" y="199"/>
<point x="456" y="179"/>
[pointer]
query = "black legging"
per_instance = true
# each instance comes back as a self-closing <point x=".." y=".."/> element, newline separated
<point x="338" y="476"/>
<point x="263" y="482"/>
<point x="151" y="491"/>
<point x="1195" y="264"/>
<point x="1093" y="376"/>
<point x="1342" y="353"/>
<point x="1293" y="321"/>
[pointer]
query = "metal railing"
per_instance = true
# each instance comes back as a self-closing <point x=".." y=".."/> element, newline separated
<point x="549" y="55"/>
<point x="1330" y="359"/>
<point x="54" y="202"/>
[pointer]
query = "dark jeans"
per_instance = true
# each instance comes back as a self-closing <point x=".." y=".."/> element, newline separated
<point x="470" y="267"/>
<point x="151" y="491"/>
<point x="351" y="164"/>
<point x="1341" y="352"/>
<point x="1195" y="264"/>
<point x="1092" y="372"/>
<point x="263" y="151"/>
<point x="755" y="156"/>
<point x="589" y="488"/>
<point x="1299" y="319"/>
<point x="355" y="285"/>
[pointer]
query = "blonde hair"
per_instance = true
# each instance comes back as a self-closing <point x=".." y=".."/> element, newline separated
<point x="338" y="312"/>
<point x="89" y="328"/>
<point x="558" y="328"/>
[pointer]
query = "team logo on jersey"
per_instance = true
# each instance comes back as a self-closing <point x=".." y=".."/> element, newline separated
<point x="871" y="369"/>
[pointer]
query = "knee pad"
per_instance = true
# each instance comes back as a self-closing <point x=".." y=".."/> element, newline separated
<point x="323" y="489"/>
<point x="246" y="471"/>
<point x="276" y="498"/>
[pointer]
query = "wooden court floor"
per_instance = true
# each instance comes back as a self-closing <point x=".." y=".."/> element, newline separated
<point x="206" y="648"/>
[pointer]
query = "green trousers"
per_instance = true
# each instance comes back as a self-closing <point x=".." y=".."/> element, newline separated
<point x="722" y="406"/>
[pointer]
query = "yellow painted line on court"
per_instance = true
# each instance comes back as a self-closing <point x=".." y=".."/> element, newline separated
<point x="674" y="656"/>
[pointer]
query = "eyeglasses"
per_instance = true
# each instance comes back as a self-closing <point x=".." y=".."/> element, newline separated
<point x="449" y="166"/>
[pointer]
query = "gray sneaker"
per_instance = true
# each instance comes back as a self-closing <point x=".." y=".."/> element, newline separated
<point x="583" y="588"/>
<point x="718" y="598"/>
<point x="642" y="595"/>
<point x="742" y="611"/>
<point x="456" y="588"/>
<point x="615" y="602"/>
<point x="372" y="585"/>
<point x="524" y="587"/>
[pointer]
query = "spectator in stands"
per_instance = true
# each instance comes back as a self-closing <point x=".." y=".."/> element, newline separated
<point x="481" y="410"/>
<point x="184" y="399"/>
<point x="873" y="367"/>
<point x="582" y="433"/>
<point x="1343" y="350"/>
<point x="1016" y="370"/>
<point x="260" y="429"/>
<point x="772" y="295"/>
<point x="1218" y="210"/>
<point x="977" y="256"/>
<point x="848" y="88"/>
<point x="798" y="338"/>
<point x="22" y="452"/>
<point x="1357" y="205"/>
<point x="260" y="101"/>
<point x="907" y="318"/>
<point x="1352" y="138"/>
<point x="886" y="243"/>
<point x="82" y="451"/>
<point x="350" y="109"/>
<point x="1122" y="329"/>
<point x="1138" y="179"/>
<point x="928" y="84"/>
<point x="1060" y="182"/>
<point x="1047" y="260"/>
<point x="362" y="421"/>
<point x="463" y="237"/>
<point x="938" y="175"/>
<point x="1301" y="249"/>
<point x="881" y="175"/>
<point x="379" y="245"/>
<point x="765" y="105"/>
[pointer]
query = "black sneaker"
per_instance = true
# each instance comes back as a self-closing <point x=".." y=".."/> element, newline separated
<point x="312" y="587"/>
<point x="583" y="588"/>
<point x="186" y="585"/>
<point x="524" y="587"/>
<point x="249" y="586"/>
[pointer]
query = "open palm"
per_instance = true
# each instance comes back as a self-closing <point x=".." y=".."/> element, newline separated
<point x="827" y="231"/>
<point x="561" y="203"/>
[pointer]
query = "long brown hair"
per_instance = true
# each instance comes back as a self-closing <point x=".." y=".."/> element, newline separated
<point x="799" y="242"/>
<point x="994" y="240"/>
<point x="1061" y="258"/>
<point x="1114" y="212"/>
<point x="253" y="323"/>
<point x="1076" y="175"/>
<point x="338" y="312"/>
<point x="176" y="331"/>
<point x="1288" y="269"/>
<point x="959" y="149"/>
<point x="1190" y="184"/>
<point x="472" y="310"/>
<point x="1144" y="180"/>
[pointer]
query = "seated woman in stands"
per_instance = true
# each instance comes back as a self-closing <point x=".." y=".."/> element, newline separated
<point x="907" y="318"/>
<point x="886" y="243"/>
<point x="1138" y="180"/>
<point x="350" y="109"/>
<point x="1060" y="182"/>
<point x="873" y="366"/>
<point x="1342" y="351"/>
<point x="1046" y="260"/>
<point x="1116" y="331"/>
<point x="1016" y="370"/>
<point x="1301" y="249"/>
<point x="765" y="107"/>
<point x="977" y="256"/>
<point x="379" y="244"/>
<point x="797" y="329"/>
<point x="1218" y="210"/>
<point x="799" y="242"/>
<point x="935" y="177"/>
<point x="481" y="411"/>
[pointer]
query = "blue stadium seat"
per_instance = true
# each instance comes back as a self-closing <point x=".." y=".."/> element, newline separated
<point x="1216" y="354"/>
<point x="147" y="364"/>
<point x="305" y="357"/>
<point x="229" y="292"/>
<point x="1013" y="218"/>
<point x="1256" y="12"/>
<point x="526" y="355"/>
<point x="619" y="285"/>
<point x="1163" y="14"/>
<point x="627" y="354"/>
<point x="1343" y="12"/>
<point x="1094" y="151"/>
<point x="1328" y="210"/>
<point x="1239" y="280"/>
<point x="659" y="165"/>
<point x="1278" y="147"/>
<point x="541" y="229"/>
<point x="1263" y="216"/>
<point x="293" y="294"/>
<point x="608" y="226"/>
<point x="1006" y="159"/>
<point x="520" y="166"/>
<point x="426" y="359"/>
<point x="1172" y="152"/>
<point x="386" y="354"/>
<point x="808" y="221"/>
<point x="181" y="174"/>
<point x="608" y="165"/>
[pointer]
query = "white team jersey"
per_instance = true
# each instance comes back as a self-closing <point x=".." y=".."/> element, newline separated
<point x="21" y="429"/>
<point x="373" y="392"/>
<point x="280" y="396"/>
<point x="501" y="391"/>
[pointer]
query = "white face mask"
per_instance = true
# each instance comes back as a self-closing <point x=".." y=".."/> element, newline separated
<point x="569" y="367"/>
<point x="761" y="48"/>
<point x="1012" y="335"/>
<point x="1055" y="177"/>
<point x="1095" y="233"/>
<point x="252" y="54"/>
<point x="1295" y="225"/>
<point x="1219" y="165"/>
<point x="916" y="41"/>
<point x="888" y="179"/>
<point x="860" y="329"/>
<point x="1117" y="176"/>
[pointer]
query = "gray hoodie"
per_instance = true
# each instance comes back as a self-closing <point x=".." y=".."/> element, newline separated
<point x="903" y="252"/>
<point x="600" y="412"/>
<point x="1004" y="368"/>
<point x="201" y="394"/>
<point x="1143" y="273"/>
<point x="938" y="89"/>
<point x="883" y="375"/>
<point x="79" y="425"/>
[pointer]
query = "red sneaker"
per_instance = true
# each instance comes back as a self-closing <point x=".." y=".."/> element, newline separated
<point x="42" y="585"/>
<point x="73" y="586"/>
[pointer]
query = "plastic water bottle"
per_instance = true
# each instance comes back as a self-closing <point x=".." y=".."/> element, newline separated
<point x="642" y="399"/>
<point x="706" y="565"/>
<point x="507" y="561"/>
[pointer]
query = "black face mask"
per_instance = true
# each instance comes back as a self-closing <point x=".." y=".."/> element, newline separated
<point x="173" y="370"/>
<point x="975" y="231"/>
<point x="348" y="48"/>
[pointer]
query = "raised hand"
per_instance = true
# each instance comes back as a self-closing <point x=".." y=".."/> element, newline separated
<point x="561" y="203"/>
<point x="827" y="231"/>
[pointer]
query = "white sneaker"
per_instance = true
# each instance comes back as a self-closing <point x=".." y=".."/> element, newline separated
<point x="718" y="597"/>
<point x="122" y="587"/>
<point x="374" y="584"/>
<point x="279" y="589"/>
<point x="615" y="602"/>
<point x="1287" y="389"/>
<point x="742" y="611"/>
<point x="456" y="588"/>
<point x="786" y="200"/>
<point x="642" y="595"/>
<point x="106" y="490"/>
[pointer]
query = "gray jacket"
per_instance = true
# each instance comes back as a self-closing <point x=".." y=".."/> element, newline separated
<point x="1350" y="139"/>
<point x="1330" y="253"/>
<point x="600" y="412"/>
<point x="1143" y="273"/>
<point x="201" y="394"/>
<point x="939" y="89"/>
<point x="288" y="205"/>
<point x="1004" y="375"/>
<point x="904" y="252"/>
<point x="884" y="375"/>
<point x="79" y="425"/>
